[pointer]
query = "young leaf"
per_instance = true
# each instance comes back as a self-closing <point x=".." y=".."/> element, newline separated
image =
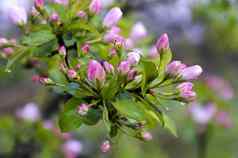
<point x="170" y="125"/>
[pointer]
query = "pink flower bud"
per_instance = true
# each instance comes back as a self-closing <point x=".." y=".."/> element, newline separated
<point x="95" y="6"/>
<point x="112" y="17"/>
<point x="35" y="78"/>
<point x="175" y="67"/>
<point x="39" y="4"/>
<point x="96" y="71"/>
<point x="8" y="51"/>
<point x="82" y="14"/>
<point x="54" y="17"/>
<point x="112" y="34"/>
<point x="62" y="50"/>
<point x="191" y="73"/>
<point x="18" y="15"/>
<point x="30" y="112"/>
<point x="202" y="114"/>
<point x="72" y="73"/>
<point x="129" y="44"/>
<point x="124" y="67"/>
<point x="186" y="91"/>
<point x="147" y="136"/>
<point x="153" y="53"/>
<point x="78" y="66"/>
<point x="3" y="41"/>
<point x="108" y="67"/>
<point x="83" y="109"/>
<point x="113" y="52"/>
<point x="138" y="32"/>
<point x="85" y="48"/>
<point x="45" y="80"/>
<point x="131" y="74"/>
<point x="133" y="58"/>
<point x="105" y="146"/>
<point x="163" y="42"/>
<point x="63" y="2"/>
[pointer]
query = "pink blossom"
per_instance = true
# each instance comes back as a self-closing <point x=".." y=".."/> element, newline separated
<point x="191" y="73"/>
<point x="3" y="41"/>
<point x="108" y="67"/>
<point x="72" y="148"/>
<point x="39" y="4"/>
<point x="153" y="53"/>
<point x="105" y="146"/>
<point x="124" y="67"/>
<point x="175" y="67"/>
<point x="63" y="2"/>
<point x="112" y="34"/>
<point x="202" y="114"/>
<point x="163" y="42"/>
<point x="95" y="6"/>
<point x="85" y="48"/>
<point x="62" y="50"/>
<point x="133" y="58"/>
<point x="147" y="136"/>
<point x="30" y="112"/>
<point x="96" y="71"/>
<point x="72" y="73"/>
<point x="8" y="51"/>
<point x="82" y="14"/>
<point x="186" y="91"/>
<point x="112" y="17"/>
<point x="54" y="17"/>
<point x="83" y="109"/>
<point x="129" y="43"/>
<point x="18" y="15"/>
<point x="138" y="32"/>
<point x="132" y="74"/>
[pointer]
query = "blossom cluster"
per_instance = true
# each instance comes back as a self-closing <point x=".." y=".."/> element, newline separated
<point x="80" y="51"/>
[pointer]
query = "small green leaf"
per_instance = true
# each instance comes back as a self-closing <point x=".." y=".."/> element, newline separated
<point x="110" y="89"/>
<point x="93" y="117"/>
<point x="68" y="118"/>
<point x="165" y="58"/>
<point x="170" y="125"/>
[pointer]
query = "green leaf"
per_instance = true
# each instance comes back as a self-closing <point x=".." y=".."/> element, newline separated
<point x="38" y="38"/>
<point x="93" y="117"/>
<point x="165" y="58"/>
<point x="110" y="89"/>
<point x="170" y="125"/>
<point x="46" y="49"/>
<point x="68" y="118"/>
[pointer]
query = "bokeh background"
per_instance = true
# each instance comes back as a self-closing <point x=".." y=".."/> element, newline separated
<point x="204" y="32"/>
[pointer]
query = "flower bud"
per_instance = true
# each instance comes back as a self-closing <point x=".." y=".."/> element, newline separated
<point x="131" y="74"/>
<point x="138" y="32"/>
<point x="30" y="112"/>
<point x="85" y="48"/>
<point x="18" y="15"/>
<point x="113" y="52"/>
<point x="108" y="67"/>
<point x="95" y="6"/>
<point x="3" y="41"/>
<point x="54" y="17"/>
<point x="8" y="51"/>
<point x="63" y="2"/>
<point x="129" y="44"/>
<point x="163" y="42"/>
<point x="112" y="17"/>
<point x="202" y="114"/>
<point x="96" y="71"/>
<point x="35" y="78"/>
<point x="133" y="58"/>
<point x="45" y="80"/>
<point x="39" y="4"/>
<point x="191" y="73"/>
<point x="83" y="109"/>
<point x="62" y="51"/>
<point x="124" y="67"/>
<point x="175" y="67"/>
<point x="147" y="136"/>
<point x="72" y="148"/>
<point x="112" y="34"/>
<point x="72" y="73"/>
<point x="186" y="91"/>
<point x="105" y="146"/>
<point x="153" y="53"/>
<point x="82" y="14"/>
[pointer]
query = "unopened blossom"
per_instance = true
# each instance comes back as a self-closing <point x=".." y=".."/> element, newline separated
<point x="39" y="4"/>
<point x="186" y="91"/>
<point x="131" y="74"/>
<point x="62" y="50"/>
<point x="45" y="80"/>
<point x="112" y="34"/>
<point x="112" y="17"/>
<point x="138" y="32"/>
<point x="8" y="51"/>
<point x="63" y="2"/>
<point x="191" y="72"/>
<point x="105" y="146"/>
<point x="147" y="136"/>
<point x="163" y="42"/>
<point x="18" y="15"/>
<point x="95" y="6"/>
<point x="82" y="14"/>
<point x="72" y="148"/>
<point x="78" y="66"/>
<point x="153" y="53"/>
<point x="133" y="57"/>
<point x="129" y="43"/>
<point x="202" y="114"/>
<point x="113" y="52"/>
<point x="3" y="41"/>
<point x="83" y="109"/>
<point x="124" y="67"/>
<point x="85" y="48"/>
<point x="48" y="124"/>
<point x="35" y="78"/>
<point x="175" y="67"/>
<point x="108" y="67"/>
<point x="95" y="71"/>
<point x="30" y="112"/>
<point x="72" y="73"/>
<point x="224" y="119"/>
<point x="54" y="17"/>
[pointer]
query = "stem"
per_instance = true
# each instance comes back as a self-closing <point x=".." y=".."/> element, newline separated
<point x="202" y="143"/>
